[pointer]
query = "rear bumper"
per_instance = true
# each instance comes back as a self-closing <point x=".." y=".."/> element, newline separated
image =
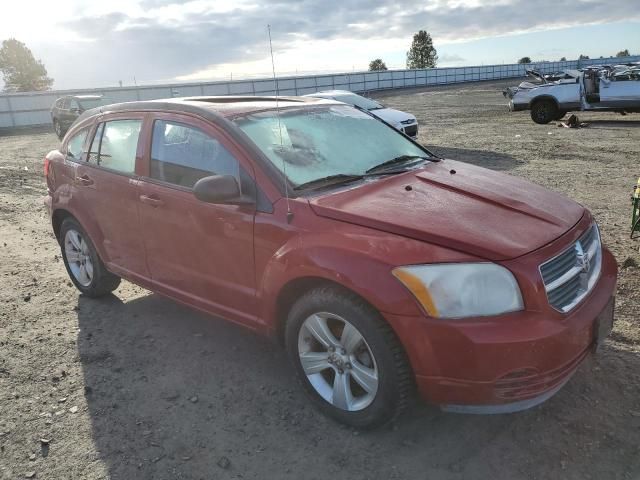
<point x="505" y="363"/>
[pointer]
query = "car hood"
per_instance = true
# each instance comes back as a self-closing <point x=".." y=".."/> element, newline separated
<point x="392" y="116"/>
<point x="459" y="206"/>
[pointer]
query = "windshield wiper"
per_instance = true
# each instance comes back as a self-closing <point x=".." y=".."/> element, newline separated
<point x="394" y="161"/>
<point x="328" y="181"/>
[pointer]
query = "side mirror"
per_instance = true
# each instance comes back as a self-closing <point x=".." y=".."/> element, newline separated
<point x="218" y="189"/>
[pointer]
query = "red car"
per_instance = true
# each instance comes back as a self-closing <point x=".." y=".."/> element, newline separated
<point x="380" y="266"/>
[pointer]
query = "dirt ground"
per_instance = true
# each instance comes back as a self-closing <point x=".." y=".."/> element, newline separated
<point x="135" y="386"/>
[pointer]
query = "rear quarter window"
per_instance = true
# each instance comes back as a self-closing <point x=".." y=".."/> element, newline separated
<point x="75" y="146"/>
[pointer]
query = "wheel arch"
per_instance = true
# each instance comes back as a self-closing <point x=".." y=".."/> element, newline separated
<point x="544" y="97"/>
<point x="90" y="227"/>
<point x="59" y="216"/>
<point x="296" y="288"/>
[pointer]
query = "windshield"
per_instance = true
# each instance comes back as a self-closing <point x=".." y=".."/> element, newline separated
<point x="325" y="141"/>
<point x="89" y="103"/>
<point x="358" y="101"/>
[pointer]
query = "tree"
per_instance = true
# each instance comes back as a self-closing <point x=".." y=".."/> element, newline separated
<point x="583" y="57"/>
<point x="524" y="60"/>
<point x="377" y="65"/>
<point x="563" y="59"/>
<point x="21" y="71"/>
<point x="422" y="53"/>
<point x="623" y="53"/>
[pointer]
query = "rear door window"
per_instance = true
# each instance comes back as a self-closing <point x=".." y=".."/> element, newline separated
<point x="115" y="144"/>
<point x="182" y="154"/>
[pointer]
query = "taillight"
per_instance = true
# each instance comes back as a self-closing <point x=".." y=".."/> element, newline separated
<point x="46" y="167"/>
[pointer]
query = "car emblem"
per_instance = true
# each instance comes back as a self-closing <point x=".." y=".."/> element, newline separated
<point x="583" y="260"/>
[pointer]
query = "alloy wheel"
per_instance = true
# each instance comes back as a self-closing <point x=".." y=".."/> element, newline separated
<point x="78" y="257"/>
<point x="337" y="361"/>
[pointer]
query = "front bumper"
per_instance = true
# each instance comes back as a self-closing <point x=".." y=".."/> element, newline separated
<point x="518" y="107"/>
<point x="506" y="363"/>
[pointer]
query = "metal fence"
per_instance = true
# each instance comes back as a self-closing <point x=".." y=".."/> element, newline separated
<point x="31" y="109"/>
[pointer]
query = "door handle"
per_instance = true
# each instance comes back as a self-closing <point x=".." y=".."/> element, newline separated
<point x="153" y="201"/>
<point x="84" y="180"/>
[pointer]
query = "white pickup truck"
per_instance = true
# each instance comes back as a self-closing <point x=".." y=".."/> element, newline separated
<point x="612" y="89"/>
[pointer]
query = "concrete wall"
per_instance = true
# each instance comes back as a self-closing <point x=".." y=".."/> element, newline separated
<point x="30" y="109"/>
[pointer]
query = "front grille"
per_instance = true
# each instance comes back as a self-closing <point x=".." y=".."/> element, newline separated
<point x="570" y="276"/>
<point x="412" y="130"/>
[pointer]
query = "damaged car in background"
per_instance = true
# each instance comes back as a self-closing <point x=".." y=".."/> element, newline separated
<point x="611" y="89"/>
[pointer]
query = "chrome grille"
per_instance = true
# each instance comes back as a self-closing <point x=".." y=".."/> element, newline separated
<point x="568" y="277"/>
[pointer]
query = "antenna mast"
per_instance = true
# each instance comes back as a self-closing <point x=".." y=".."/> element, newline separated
<point x="284" y="163"/>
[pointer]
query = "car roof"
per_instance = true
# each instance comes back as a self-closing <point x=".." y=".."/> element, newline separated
<point x="81" y="97"/>
<point x="330" y="93"/>
<point x="211" y="107"/>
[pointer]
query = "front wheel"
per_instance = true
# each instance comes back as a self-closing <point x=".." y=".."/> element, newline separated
<point x="86" y="270"/>
<point x="544" y="111"/>
<point x="57" y="127"/>
<point x="348" y="358"/>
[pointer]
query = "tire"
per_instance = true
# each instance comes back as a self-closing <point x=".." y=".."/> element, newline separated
<point x="86" y="270"/>
<point x="376" y="353"/>
<point x="57" y="128"/>
<point x="544" y="111"/>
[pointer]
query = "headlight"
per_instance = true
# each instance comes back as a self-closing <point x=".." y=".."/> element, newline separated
<point x="459" y="290"/>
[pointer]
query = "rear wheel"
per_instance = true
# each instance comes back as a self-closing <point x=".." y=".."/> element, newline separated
<point x="544" y="111"/>
<point x="86" y="270"/>
<point x="348" y="358"/>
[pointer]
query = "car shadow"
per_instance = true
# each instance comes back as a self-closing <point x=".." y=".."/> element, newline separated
<point x="481" y="158"/>
<point x="175" y="394"/>
<point x="613" y="124"/>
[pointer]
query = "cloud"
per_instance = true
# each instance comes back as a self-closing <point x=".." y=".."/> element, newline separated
<point x="160" y="40"/>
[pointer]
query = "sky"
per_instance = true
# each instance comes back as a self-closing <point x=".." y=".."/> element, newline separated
<point x="88" y="43"/>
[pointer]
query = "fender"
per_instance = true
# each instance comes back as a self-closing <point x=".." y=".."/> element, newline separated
<point x="360" y="261"/>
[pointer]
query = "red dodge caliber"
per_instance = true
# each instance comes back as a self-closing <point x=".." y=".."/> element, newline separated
<point x="381" y="267"/>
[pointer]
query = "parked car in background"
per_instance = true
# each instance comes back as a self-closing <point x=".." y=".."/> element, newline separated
<point x="609" y="89"/>
<point x="378" y="265"/>
<point x="405" y="122"/>
<point x="67" y="109"/>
